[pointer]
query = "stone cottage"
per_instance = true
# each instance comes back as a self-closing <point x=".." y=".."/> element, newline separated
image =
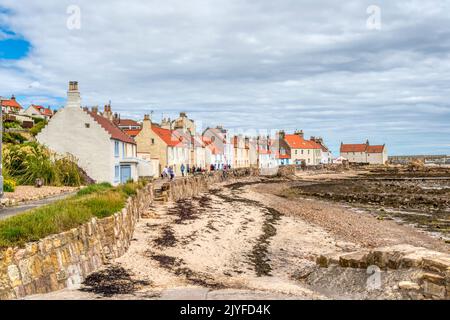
<point x="105" y="152"/>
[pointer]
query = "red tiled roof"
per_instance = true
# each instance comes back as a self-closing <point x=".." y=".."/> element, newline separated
<point x="126" y="123"/>
<point x="375" y="149"/>
<point x="282" y="156"/>
<point x="111" y="128"/>
<point x="42" y="110"/>
<point x="358" y="147"/>
<point x="132" y="132"/>
<point x="172" y="138"/>
<point x="12" y="103"/>
<point x="296" y="142"/>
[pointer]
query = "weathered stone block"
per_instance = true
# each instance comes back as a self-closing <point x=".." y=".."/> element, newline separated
<point x="408" y="285"/>
<point x="433" y="290"/>
<point x="438" y="263"/>
<point x="14" y="275"/>
<point x="432" y="277"/>
<point x="354" y="259"/>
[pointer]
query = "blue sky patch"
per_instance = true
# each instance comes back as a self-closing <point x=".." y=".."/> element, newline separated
<point x="14" y="48"/>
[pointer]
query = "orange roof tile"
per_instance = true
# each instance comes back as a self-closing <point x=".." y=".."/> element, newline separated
<point x="132" y="132"/>
<point x="42" y="110"/>
<point x="12" y="103"/>
<point x="375" y="149"/>
<point x="357" y="147"/>
<point x="296" y="142"/>
<point x="172" y="138"/>
<point x="126" y="123"/>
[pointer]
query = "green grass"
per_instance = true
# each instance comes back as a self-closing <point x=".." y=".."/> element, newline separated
<point x="94" y="188"/>
<point x="100" y="200"/>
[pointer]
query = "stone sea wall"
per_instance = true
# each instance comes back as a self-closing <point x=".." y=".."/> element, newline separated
<point x="186" y="188"/>
<point x="64" y="260"/>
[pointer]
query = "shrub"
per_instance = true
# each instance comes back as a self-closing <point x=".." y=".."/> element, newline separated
<point x="129" y="188"/>
<point x="30" y="161"/>
<point x="38" y="120"/>
<point x="12" y="124"/>
<point x="67" y="171"/>
<point x="9" y="185"/>
<point x="38" y="127"/>
<point x="13" y="137"/>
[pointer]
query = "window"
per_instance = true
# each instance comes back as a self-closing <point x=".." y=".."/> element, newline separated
<point x="296" y="151"/>
<point x="308" y="151"/>
<point x="116" y="173"/>
<point x="87" y="125"/>
<point x="124" y="153"/>
<point x="153" y="141"/>
<point x="116" y="148"/>
<point x="302" y="151"/>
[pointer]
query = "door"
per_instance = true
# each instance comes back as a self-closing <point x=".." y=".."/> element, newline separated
<point x="125" y="173"/>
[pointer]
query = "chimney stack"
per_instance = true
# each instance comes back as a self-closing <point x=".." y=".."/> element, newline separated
<point x="94" y="110"/>
<point x="281" y="134"/>
<point x="73" y="96"/>
<point x="108" y="113"/>
<point x="299" y="133"/>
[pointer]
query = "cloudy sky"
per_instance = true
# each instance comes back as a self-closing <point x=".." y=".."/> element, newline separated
<point x="326" y="67"/>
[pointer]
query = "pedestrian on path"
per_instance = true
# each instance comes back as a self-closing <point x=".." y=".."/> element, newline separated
<point x="171" y="173"/>
<point x="182" y="168"/>
<point x="165" y="173"/>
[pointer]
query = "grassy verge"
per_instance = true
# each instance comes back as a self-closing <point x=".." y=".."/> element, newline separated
<point x="100" y="200"/>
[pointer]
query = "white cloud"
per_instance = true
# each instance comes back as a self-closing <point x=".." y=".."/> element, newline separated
<point x="257" y="64"/>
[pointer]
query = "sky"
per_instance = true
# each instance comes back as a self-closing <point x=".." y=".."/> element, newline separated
<point x="345" y="71"/>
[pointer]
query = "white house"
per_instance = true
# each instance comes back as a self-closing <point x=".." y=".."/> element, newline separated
<point x="221" y="147"/>
<point x="364" y="153"/>
<point x="325" y="154"/>
<point x="39" y="112"/>
<point x="10" y="106"/>
<point x="266" y="151"/>
<point x="105" y="152"/>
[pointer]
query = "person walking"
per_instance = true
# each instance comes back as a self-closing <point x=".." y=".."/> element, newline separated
<point x="182" y="168"/>
<point x="165" y="173"/>
<point x="171" y="173"/>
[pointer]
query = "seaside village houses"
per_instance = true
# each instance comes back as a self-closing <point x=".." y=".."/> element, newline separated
<point x="165" y="146"/>
<point x="364" y="153"/>
<point x="102" y="150"/>
<point x="112" y="149"/>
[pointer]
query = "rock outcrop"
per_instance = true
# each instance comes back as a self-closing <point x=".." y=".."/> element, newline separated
<point x="431" y="281"/>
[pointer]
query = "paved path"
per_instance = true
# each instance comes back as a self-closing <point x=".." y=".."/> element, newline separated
<point x="21" y="207"/>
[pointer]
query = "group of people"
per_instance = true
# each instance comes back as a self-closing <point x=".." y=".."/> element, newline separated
<point x="169" y="172"/>
<point x="225" y="167"/>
